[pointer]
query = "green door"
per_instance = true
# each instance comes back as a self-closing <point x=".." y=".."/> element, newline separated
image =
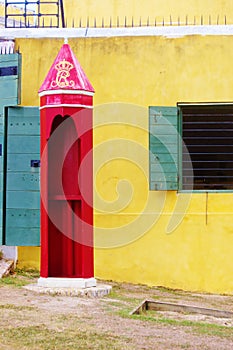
<point x="22" y="177"/>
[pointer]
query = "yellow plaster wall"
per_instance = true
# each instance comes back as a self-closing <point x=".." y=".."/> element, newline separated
<point x="210" y="10"/>
<point x="29" y="257"/>
<point x="129" y="74"/>
<point x="142" y="70"/>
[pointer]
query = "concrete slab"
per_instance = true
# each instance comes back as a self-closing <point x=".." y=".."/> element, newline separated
<point x="55" y="282"/>
<point x="93" y="292"/>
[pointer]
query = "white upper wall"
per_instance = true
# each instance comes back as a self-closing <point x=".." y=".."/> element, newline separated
<point x="169" y="32"/>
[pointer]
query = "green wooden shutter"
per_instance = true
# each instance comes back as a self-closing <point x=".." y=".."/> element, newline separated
<point x="10" y="81"/>
<point x="22" y="187"/>
<point x="163" y="146"/>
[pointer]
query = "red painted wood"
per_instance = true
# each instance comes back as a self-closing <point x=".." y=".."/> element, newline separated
<point x="66" y="99"/>
<point x="66" y="171"/>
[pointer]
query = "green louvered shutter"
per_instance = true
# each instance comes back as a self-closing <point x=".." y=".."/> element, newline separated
<point x="163" y="146"/>
<point x="10" y="80"/>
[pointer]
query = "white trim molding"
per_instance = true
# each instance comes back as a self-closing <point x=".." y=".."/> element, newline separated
<point x="66" y="92"/>
<point x="175" y="31"/>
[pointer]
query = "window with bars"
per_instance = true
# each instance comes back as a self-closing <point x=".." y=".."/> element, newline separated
<point x="207" y="133"/>
<point x="34" y="13"/>
<point x="197" y="153"/>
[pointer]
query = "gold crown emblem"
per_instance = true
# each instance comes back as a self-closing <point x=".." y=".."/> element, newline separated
<point x="63" y="73"/>
<point x="64" y="66"/>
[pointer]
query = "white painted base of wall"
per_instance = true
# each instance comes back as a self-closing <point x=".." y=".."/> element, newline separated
<point x="9" y="252"/>
<point x="55" y="282"/>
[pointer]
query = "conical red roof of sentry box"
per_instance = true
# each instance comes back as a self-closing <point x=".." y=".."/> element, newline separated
<point x="66" y="73"/>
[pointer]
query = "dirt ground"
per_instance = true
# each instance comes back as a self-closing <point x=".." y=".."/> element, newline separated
<point x="34" y="321"/>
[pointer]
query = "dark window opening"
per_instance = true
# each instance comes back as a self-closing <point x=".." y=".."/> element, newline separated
<point x="207" y="132"/>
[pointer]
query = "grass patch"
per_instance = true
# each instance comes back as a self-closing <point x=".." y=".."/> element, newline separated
<point x="196" y="327"/>
<point x="114" y="303"/>
<point x="213" y="329"/>
<point x="20" y="278"/>
<point x="169" y="290"/>
<point x="16" y="307"/>
<point x="13" y="281"/>
<point x="40" y="337"/>
<point x="29" y="273"/>
<point x="117" y="294"/>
